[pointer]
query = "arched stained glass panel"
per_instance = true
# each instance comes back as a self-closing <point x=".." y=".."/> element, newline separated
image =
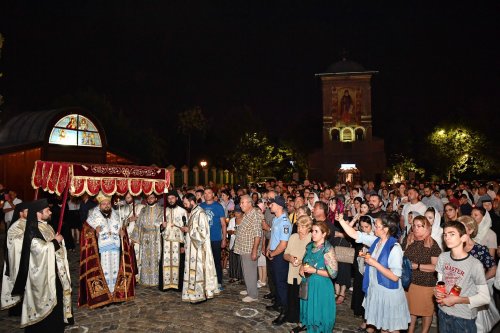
<point x="75" y="130"/>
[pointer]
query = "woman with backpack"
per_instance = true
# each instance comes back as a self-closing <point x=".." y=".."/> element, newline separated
<point x="423" y="252"/>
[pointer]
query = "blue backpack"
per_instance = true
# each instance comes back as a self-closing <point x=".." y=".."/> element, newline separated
<point x="406" y="274"/>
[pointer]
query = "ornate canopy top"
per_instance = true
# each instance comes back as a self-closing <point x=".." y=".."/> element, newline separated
<point x="54" y="177"/>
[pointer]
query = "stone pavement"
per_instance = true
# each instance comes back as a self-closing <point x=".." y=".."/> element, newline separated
<point x="155" y="311"/>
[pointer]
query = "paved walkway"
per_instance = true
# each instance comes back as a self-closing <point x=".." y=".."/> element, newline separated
<point x="155" y="311"/>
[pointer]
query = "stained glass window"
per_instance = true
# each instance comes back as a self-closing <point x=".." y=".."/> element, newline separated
<point x="75" y="130"/>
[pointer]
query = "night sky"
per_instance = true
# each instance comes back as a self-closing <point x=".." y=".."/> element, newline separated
<point x="153" y="59"/>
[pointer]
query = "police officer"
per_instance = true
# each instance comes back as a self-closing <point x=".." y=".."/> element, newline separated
<point x="280" y="233"/>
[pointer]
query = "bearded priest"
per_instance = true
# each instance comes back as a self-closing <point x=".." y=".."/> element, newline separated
<point x="43" y="276"/>
<point x="147" y="234"/>
<point x="172" y="249"/>
<point x="200" y="277"/>
<point x="106" y="258"/>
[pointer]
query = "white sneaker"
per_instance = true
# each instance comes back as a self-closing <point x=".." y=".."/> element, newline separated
<point x="249" y="299"/>
<point x="260" y="284"/>
<point x="243" y="292"/>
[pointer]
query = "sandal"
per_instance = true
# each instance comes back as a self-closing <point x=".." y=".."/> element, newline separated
<point x="340" y="299"/>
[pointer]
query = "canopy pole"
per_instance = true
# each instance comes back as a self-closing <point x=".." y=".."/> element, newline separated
<point x="133" y="204"/>
<point x="63" y="207"/>
<point x="164" y="207"/>
<point x="36" y="194"/>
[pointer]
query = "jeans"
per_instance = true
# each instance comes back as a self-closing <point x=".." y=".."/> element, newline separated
<point x="216" y="251"/>
<point x="452" y="324"/>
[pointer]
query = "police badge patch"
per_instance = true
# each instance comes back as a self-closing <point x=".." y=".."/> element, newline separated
<point x="285" y="230"/>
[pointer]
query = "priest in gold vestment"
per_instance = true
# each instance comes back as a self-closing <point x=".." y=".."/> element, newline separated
<point x="200" y="277"/>
<point x="147" y="234"/>
<point x="43" y="276"/>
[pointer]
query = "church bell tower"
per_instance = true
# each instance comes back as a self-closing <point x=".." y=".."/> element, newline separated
<point x="350" y="151"/>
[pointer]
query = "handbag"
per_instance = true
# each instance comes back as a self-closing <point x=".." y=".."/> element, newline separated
<point x="304" y="284"/>
<point x="344" y="254"/>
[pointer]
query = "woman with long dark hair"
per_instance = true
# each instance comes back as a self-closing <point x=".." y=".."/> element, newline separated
<point x="319" y="267"/>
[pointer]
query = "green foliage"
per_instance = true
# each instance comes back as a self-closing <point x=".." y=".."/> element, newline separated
<point x="401" y="166"/>
<point x="461" y="150"/>
<point x="255" y="156"/>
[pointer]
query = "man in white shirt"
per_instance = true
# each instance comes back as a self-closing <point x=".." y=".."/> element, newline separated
<point x="11" y="200"/>
<point x="413" y="205"/>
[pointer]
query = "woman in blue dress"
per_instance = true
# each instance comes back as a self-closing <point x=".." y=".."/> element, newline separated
<point x="319" y="268"/>
<point x="385" y="303"/>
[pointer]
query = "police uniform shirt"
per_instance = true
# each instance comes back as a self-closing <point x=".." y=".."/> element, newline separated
<point x="281" y="230"/>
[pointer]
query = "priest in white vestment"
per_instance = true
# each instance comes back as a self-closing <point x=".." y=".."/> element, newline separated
<point x="107" y="225"/>
<point x="15" y="235"/>
<point x="172" y="257"/>
<point x="129" y="212"/>
<point x="200" y="277"/>
<point x="43" y="276"/>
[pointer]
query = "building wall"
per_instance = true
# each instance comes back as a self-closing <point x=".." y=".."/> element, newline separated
<point x="16" y="170"/>
<point x="369" y="157"/>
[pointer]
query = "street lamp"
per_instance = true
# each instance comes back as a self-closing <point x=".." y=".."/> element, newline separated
<point x="203" y="164"/>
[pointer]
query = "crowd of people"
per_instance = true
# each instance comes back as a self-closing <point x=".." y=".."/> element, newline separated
<point x="308" y="243"/>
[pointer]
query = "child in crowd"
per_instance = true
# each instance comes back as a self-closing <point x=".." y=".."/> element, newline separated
<point x="465" y="283"/>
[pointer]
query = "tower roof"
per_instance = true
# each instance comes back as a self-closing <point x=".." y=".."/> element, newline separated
<point x="345" y="66"/>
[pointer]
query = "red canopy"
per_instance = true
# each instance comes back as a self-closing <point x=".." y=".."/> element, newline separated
<point x="92" y="178"/>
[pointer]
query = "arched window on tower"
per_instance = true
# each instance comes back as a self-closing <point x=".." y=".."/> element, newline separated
<point x="75" y="130"/>
<point x="335" y="134"/>
<point x="359" y="134"/>
<point x="347" y="135"/>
